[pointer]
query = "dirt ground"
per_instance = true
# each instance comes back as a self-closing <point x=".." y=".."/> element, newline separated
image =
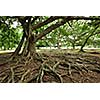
<point x="52" y="66"/>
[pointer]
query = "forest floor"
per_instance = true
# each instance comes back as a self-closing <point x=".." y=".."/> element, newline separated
<point x="61" y="66"/>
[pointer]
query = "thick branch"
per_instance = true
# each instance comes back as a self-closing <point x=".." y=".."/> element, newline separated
<point x="81" y="18"/>
<point x="49" y="29"/>
<point x="53" y="18"/>
<point x="49" y="20"/>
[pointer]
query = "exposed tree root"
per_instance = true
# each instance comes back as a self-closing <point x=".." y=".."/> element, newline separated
<point x="56" y="75"/>
<point x="3" y="78"/>
<point x="41" y="73"/>
<point x="26" y="70"/>
<point x="12" y="76"/>
<point x="45" y="67"/>
<point x="23" y="76"/>
<point x="54" y="67"/>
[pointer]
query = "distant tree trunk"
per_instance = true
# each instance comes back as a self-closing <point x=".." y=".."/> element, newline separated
<point x="59" y="41"/>
<point x="84" y="43"/>
<point x="73" y="45"/>
<point x="86" y="40"/>
<point x="58" y="45"/>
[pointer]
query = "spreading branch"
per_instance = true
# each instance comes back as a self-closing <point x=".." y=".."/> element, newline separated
<point x="49" y="20"/>
<point x="49" y="29"/>
<point x="80" y="18"/>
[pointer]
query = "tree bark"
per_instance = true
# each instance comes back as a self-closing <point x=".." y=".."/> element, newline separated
<point x="29" y="48"/>
<point x="25" y="50"/>
<point x="16" y="52"/>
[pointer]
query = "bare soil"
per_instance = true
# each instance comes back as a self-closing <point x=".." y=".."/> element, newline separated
<point x="51" y="66"/>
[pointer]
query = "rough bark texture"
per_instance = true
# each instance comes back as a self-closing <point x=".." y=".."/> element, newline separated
<point x="19" y="47"/>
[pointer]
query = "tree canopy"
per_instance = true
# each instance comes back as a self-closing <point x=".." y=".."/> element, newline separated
<point x="26" y="32"/>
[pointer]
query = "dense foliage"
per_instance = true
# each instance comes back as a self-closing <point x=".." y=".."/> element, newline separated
<point x="72" y="34"/>
<point x="10" y="33"/>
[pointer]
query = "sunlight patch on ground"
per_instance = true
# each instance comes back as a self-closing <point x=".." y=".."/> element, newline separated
<point x="6" y="51"/>
<point x="56" y="49"/>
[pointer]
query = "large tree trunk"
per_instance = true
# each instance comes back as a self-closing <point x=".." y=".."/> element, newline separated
<point x="31" y="47"/>
<point x="27" y="44"/>
<point x="19" y="47"/>
<point x="28" y="48"/>
<point x="25" y="50"/>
